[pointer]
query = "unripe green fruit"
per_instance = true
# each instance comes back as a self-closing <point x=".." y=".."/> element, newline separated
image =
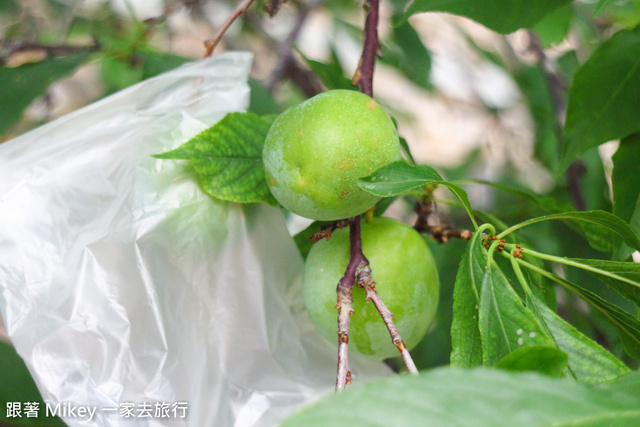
<point x="315" y="152"/>
<point x="406" y="279"/>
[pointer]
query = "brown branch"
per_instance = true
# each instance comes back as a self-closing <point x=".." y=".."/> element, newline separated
<point x="8" y="48"/>
<point x="358" y="267"/>
<point x="211" y="44"/>
<point x="364" y="74"/>
<point x="345" y="301"/>
<point x="424" y="208"/>
<point x="287" y="65"/>
<point x="307" y="81"/>
<point x="364" y="280"/>
<point x="272" y="7"/>
<point x="557" y="90"/>
<point x="444" y="235"/>
<point x="327" y="229"/>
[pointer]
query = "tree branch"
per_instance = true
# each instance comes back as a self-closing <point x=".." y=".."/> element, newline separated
<point x="364" y="74"/>
<point x="286" y="63"/>
<point x="364" y="80"/>
<point x="424" y="208"/>
<point x="272" y="7"/>
<point x="286" y="53"/>
<point x="8" y="48"/>
<point x="363" y="273"/>
<point x="345" y="303"/>
<point x="358" y="268"/>
<point x="211" y="44"/>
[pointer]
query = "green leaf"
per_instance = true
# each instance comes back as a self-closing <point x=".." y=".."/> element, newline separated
<point x="9" y="6"/>
<point x="404" y="145"/>
<point x="399" y="177"/>
<point x="18" y="386"/>
<point x="628" y="383"/>
<point x="620" y="419"/>
<point x="466" y="343"/>
<point x="588" y="360"/>
<point x="599" y="226"/>
<point x="461" y="397"/>
<point x="228" y="158"/>
<point x="533" y="85"/>
<point x="382" y="205"/>
<point x="155" y="63"/>
<point x="624" y="277"/>
<point x="19" y="86"/>
<point x="261" y="101"/>
<point x="406" y="52"/>
<point x="626" y="191"/>
<point x="548" y="360"/>
<point x="603" y="99"/>
<point x="503" y="16"/>
<point x="505" y="323"/>
<point x="601" y="6"/>
<point x="546" y="203"/>
<point x="331" y="73"/>
<point x="627" y="326"/>
<point x="119" y="70"/>
<point x="554" y="27"/>
<point x="118" y="74"/>
<point x="406" y="150"/>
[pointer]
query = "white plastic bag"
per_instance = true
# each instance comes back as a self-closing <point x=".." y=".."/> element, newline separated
<point x="130" y="292"/>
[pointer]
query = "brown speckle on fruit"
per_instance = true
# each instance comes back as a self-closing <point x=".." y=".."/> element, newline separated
<point x="329" y="137"/>
<point x="345" y="164"/>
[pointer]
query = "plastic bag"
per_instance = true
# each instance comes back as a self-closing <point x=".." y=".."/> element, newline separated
<point x="130" y="292"/>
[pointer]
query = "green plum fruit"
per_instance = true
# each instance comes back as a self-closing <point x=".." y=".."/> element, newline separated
<point x="406" y="278"/>
<point x="316" y="151"/>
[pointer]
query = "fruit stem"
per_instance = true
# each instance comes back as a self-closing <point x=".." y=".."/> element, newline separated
<point x="364" y="280"/>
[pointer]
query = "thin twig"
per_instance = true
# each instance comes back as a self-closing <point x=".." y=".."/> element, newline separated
<point x="445" y="234"/>
<point x="364" y="74"/>
<point x="364" y="280"/>
<point x="345" y="303"/>
<point x="211" y="44"/>
<point x="287" y="65"/>
<point x="273" y="6"/>
<point x="327" y="229"/>
<point x="8" y="48"/>
<point x="557" y="90"/>
<point x="424" y="208"/>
